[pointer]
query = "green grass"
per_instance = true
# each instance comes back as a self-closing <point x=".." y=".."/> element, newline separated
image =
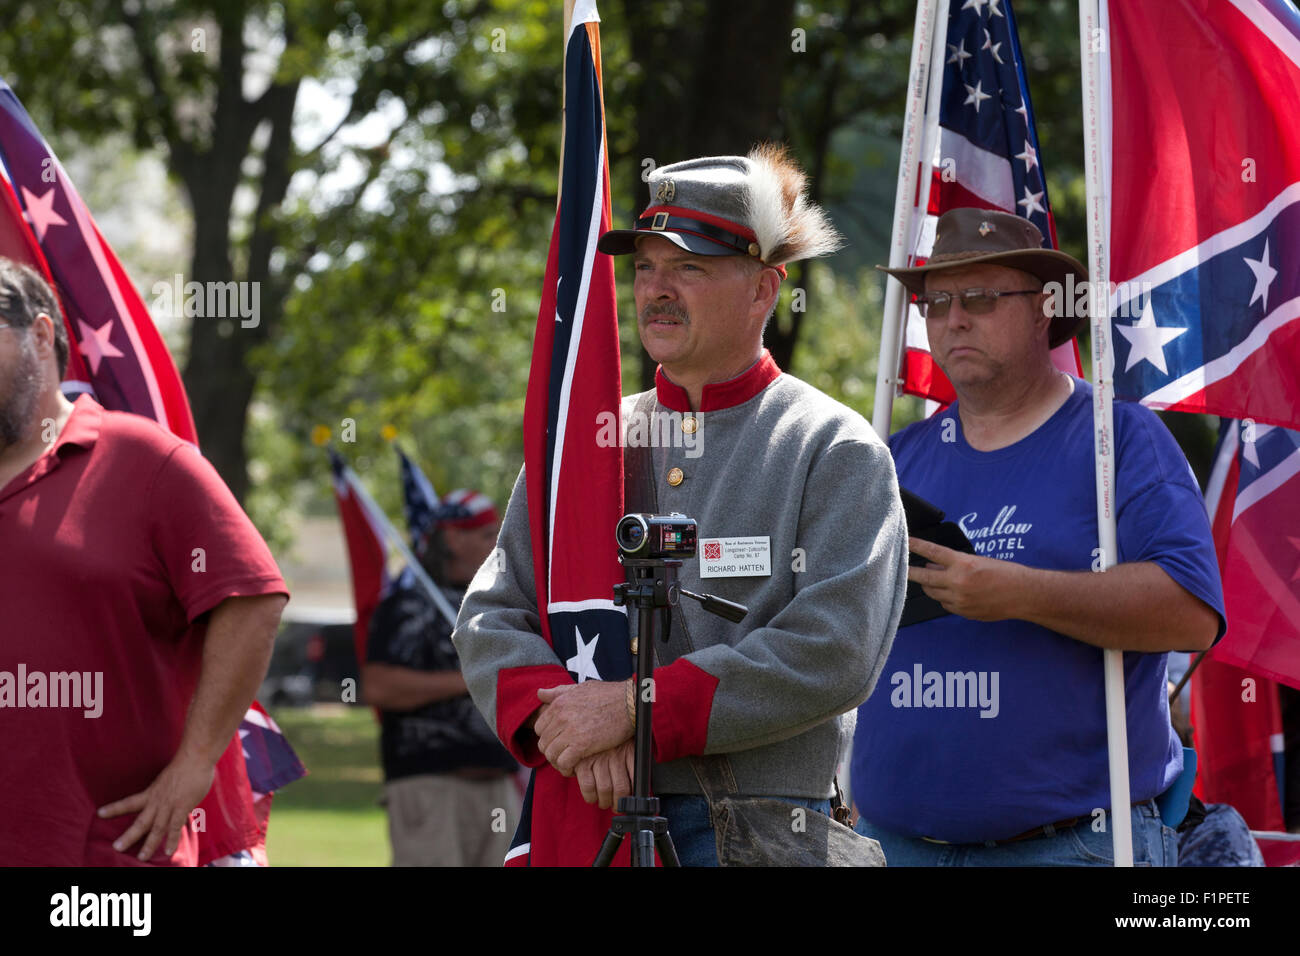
<point x="330" y="817"/>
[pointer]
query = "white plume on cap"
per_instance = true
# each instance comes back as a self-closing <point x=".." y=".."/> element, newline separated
<point x="788" y="225"/>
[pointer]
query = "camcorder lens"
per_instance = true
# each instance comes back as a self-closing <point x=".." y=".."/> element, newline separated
<point x="631" y="533"/>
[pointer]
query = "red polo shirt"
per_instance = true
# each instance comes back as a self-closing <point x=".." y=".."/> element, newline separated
<point x="113" y="546"/>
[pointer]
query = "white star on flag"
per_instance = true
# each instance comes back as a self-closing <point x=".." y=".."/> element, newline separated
<point x="1031" y="203"/>
<point x="583" y="663"/>
<point x="1029" y="156"/>
<point x="977" y="4"/>
<point x="1264" y="276"/>
<point x="991" y="46"/>
<point x="1148" y="340"/>
<point x="959" y="54"/>
<point x="96" y="344"/>
<point x="993" y="9"/>
<point x="976" y="95"/>
<point x="1023" y="110"/>
<point x="40" y="211"/>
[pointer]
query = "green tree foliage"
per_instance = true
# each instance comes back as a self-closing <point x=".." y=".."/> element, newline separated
<point x="387" y="171"/>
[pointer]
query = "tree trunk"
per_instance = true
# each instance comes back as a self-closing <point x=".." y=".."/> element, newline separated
<point x="712" y="86"/>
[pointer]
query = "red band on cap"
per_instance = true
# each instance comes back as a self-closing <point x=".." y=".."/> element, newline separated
<point x="718" y="221"/>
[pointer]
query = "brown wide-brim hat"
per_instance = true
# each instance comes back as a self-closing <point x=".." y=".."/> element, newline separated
<point x="969" y="237"/>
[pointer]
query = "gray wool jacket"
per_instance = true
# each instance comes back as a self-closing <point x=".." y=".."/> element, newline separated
<point x="776" y="692"/>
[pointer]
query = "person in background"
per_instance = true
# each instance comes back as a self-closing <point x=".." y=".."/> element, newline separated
<point x="449" y="785"/>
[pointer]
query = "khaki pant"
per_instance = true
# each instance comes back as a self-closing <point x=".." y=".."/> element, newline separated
<point x="445" y="820"/>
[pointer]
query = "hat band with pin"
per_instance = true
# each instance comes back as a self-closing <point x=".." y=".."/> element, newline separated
<point x="968" y="236"/>
<point x="730" y="234"/>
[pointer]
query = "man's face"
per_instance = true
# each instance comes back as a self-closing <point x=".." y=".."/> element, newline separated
<point x="696" y="313"/>
<point x="472" y="545"/>
<point x="977" y="350"/>
<point x="20" y="384"/>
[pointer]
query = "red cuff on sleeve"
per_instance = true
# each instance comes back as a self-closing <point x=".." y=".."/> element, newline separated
<point x="517" y="689"/>
<point x="683" y="701"/>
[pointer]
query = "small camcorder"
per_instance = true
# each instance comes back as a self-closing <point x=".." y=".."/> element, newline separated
<point x="645" y="536"/>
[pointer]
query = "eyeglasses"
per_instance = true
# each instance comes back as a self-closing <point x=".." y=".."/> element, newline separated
<point x="975" y="301"/>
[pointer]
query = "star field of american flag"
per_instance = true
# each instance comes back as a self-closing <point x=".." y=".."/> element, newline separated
<point x="419" y="500"/>
<point x="985" y="103"/>
<point x="986" y="156"/>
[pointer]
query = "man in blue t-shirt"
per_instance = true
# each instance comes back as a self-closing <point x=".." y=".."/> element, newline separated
<point x="985" y="741"/>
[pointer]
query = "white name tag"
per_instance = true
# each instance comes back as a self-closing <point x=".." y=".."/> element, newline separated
<point x="735" y="557"/>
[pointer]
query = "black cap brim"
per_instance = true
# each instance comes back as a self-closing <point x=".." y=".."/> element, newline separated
<point x="622" y="242"/>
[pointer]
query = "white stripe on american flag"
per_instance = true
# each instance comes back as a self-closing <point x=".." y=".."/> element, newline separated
<point x="985" y="174"/>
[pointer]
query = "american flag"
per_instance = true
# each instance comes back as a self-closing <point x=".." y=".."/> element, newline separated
<point x="986" y="156"/>
<point x="419" y="500"/>
<point x="1205" y="222"/>
<point x="118" y="356"/>
<point x="575" y="487"/>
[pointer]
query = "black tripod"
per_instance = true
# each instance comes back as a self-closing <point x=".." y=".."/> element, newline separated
<point x="651" y="585"/>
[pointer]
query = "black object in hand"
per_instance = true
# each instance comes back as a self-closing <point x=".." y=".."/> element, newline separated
<point x="925" y="521"/>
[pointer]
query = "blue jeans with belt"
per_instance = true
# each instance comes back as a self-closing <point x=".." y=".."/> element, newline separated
<point x="1154" y="844"/>
<point x="692" y="831"/>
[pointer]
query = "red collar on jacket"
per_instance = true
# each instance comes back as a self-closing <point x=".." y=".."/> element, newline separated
<point x="719" y="395"/>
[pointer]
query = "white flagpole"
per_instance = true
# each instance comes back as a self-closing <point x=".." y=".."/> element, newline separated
<point x="929" y="144"/>
<point x="924" y="34"/>
<point x="395" y="537"/>
<point x="1093" y="47"/>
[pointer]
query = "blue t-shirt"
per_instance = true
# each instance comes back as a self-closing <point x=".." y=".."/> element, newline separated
<point x="983" y="730"/>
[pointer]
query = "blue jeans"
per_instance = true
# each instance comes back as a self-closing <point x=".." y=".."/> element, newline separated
<point x="1154" y="844"/>
<point x="692" y="831"/>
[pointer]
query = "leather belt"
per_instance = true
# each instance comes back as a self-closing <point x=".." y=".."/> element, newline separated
<point x="1047" y="829"/>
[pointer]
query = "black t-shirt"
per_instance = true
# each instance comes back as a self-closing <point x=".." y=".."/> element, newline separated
<point x="408" y="631"/>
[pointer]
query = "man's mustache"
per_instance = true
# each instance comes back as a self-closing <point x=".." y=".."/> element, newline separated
<point x="675" y="311"/>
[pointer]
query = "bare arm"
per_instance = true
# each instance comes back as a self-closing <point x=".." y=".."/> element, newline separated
<point x="1131" y="607"/>
<point x="390" y="687"/>
<point x="236" y="653"/>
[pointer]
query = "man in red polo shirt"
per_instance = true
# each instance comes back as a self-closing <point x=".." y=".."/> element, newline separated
<point x="138" y="606"/>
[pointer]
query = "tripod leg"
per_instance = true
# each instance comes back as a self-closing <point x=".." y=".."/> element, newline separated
<point x="607" y="849"/>
<point x="667" y="852"/>
<point x="644" y="848"/>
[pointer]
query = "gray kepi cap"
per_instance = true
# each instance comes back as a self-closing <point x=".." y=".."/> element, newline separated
<point x="732" y="206"/>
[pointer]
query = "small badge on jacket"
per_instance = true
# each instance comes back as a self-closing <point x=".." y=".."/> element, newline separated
<point x="735" y="557"/>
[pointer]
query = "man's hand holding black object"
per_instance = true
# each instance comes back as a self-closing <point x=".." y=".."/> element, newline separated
<point x="1132" y="607"/>
<point x="969" y="585"/>
<point x="580" y="721"/>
